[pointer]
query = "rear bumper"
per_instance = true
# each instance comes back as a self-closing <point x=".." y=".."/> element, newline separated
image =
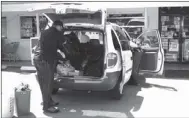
<point x="105" y="83"/>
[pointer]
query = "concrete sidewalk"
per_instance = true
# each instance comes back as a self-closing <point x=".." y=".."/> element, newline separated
<point x="153" y="98"/>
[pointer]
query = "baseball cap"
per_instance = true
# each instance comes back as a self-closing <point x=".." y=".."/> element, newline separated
<point x="58" y="22"/>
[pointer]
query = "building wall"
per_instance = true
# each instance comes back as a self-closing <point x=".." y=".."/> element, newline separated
<point x="125" y="10"/>
<point x="14" y="33"/>
<point x="153" y="17"/>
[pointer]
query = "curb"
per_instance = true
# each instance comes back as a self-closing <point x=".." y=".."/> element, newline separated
<point x="21" y="68"/>
<point x="27" y="68"/>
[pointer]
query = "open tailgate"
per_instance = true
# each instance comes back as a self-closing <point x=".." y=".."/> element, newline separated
<point x="97" y="18"/>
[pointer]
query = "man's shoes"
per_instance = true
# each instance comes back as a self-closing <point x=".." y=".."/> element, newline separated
<point x="133" y="82"/>
<point x="52" y="103"/>
<point x="52" y="110"/>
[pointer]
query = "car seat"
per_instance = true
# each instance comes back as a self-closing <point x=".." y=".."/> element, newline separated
<point x="94" y="66"/>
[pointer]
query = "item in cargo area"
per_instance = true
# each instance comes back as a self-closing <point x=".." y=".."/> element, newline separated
<point x="65" y="68"/>
<point x="76" y="73"/>
<point x="22" y="99"/>
<point x="84" y="63"/>
<point x="80" y="73"/>
<point x="93" y="69"/>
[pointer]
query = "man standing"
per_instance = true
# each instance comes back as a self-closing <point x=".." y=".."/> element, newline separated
<point x="45" y="59"/>
<point x="137" y="55"/>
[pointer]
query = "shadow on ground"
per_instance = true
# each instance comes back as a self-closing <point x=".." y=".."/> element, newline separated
<point x="81" y="104"/>
<point x="144" y="84"/>
<point x="84" y="104"/>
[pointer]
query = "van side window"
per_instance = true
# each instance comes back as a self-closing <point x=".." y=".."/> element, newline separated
<point x="115" y="41"/>
<point x="123" y="39"/>
<point x="126" y="34"/>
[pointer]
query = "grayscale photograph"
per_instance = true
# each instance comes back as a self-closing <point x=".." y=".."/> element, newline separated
<point x="74" y="59"/>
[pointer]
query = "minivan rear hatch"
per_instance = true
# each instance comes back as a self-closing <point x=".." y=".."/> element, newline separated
<point x="93" y="19"/>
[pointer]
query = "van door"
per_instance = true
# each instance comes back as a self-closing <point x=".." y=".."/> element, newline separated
<point x="152" y="61"/>
<point x="127" y="61"/>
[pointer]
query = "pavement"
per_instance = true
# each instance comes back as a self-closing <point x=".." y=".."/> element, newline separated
<point x="155" y="97"/>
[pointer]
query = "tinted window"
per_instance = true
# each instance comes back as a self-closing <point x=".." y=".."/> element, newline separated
<point x="122" y="38"/>
<point x="115" y="40"/>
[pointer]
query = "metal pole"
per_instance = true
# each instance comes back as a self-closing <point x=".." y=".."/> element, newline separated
<point x="145" y="18"/>
<point x="38" y="29"/>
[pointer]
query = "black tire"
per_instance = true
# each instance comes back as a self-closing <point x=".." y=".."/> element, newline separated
<point x="55" y="90"/>
<point x="115" y="93"/>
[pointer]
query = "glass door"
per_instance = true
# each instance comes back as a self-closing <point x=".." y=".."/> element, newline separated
<point x="185" y="38"/>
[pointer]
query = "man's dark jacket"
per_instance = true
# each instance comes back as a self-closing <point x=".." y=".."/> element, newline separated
<point x="50" y="40"/>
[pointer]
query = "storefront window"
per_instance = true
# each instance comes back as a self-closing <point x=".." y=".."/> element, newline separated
<point x="174" y="29"/>
<point x="4" y="28"/>
<point x="28" y="27"/>
<point x="42" y="23"/>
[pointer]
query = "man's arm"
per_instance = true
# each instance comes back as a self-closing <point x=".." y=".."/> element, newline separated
<point x="61" y="41"/>
<point x="133" y="45"/>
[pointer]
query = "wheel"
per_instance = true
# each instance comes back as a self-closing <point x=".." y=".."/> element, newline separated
<point x="55" y="90"/>
<point x="117" y="92"/>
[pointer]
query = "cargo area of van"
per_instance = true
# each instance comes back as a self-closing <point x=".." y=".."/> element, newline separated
<point x="82" y="54"/>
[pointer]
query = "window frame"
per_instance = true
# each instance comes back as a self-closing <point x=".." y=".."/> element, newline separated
<point x="4" y="17"/>
<point x="117" y="39"/>
<point x="35" y="22"/>
<point x="124" y="37"/>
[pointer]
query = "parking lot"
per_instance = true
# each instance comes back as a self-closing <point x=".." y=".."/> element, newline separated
<point x="155" y="97"/>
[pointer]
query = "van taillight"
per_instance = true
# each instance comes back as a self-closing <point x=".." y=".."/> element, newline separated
<point x="111" y="60"/>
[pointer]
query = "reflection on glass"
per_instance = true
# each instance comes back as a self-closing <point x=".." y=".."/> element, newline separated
<point x="149" y="40"/>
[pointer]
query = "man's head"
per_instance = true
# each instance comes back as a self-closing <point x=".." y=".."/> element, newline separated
<point x="58" y="25"/>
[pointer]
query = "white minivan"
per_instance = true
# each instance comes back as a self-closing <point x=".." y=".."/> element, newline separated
<point x="111" y="53"/>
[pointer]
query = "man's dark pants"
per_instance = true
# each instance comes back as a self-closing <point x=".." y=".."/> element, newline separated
<point x="45" y="76"/>
<point x="137" y="55"/>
